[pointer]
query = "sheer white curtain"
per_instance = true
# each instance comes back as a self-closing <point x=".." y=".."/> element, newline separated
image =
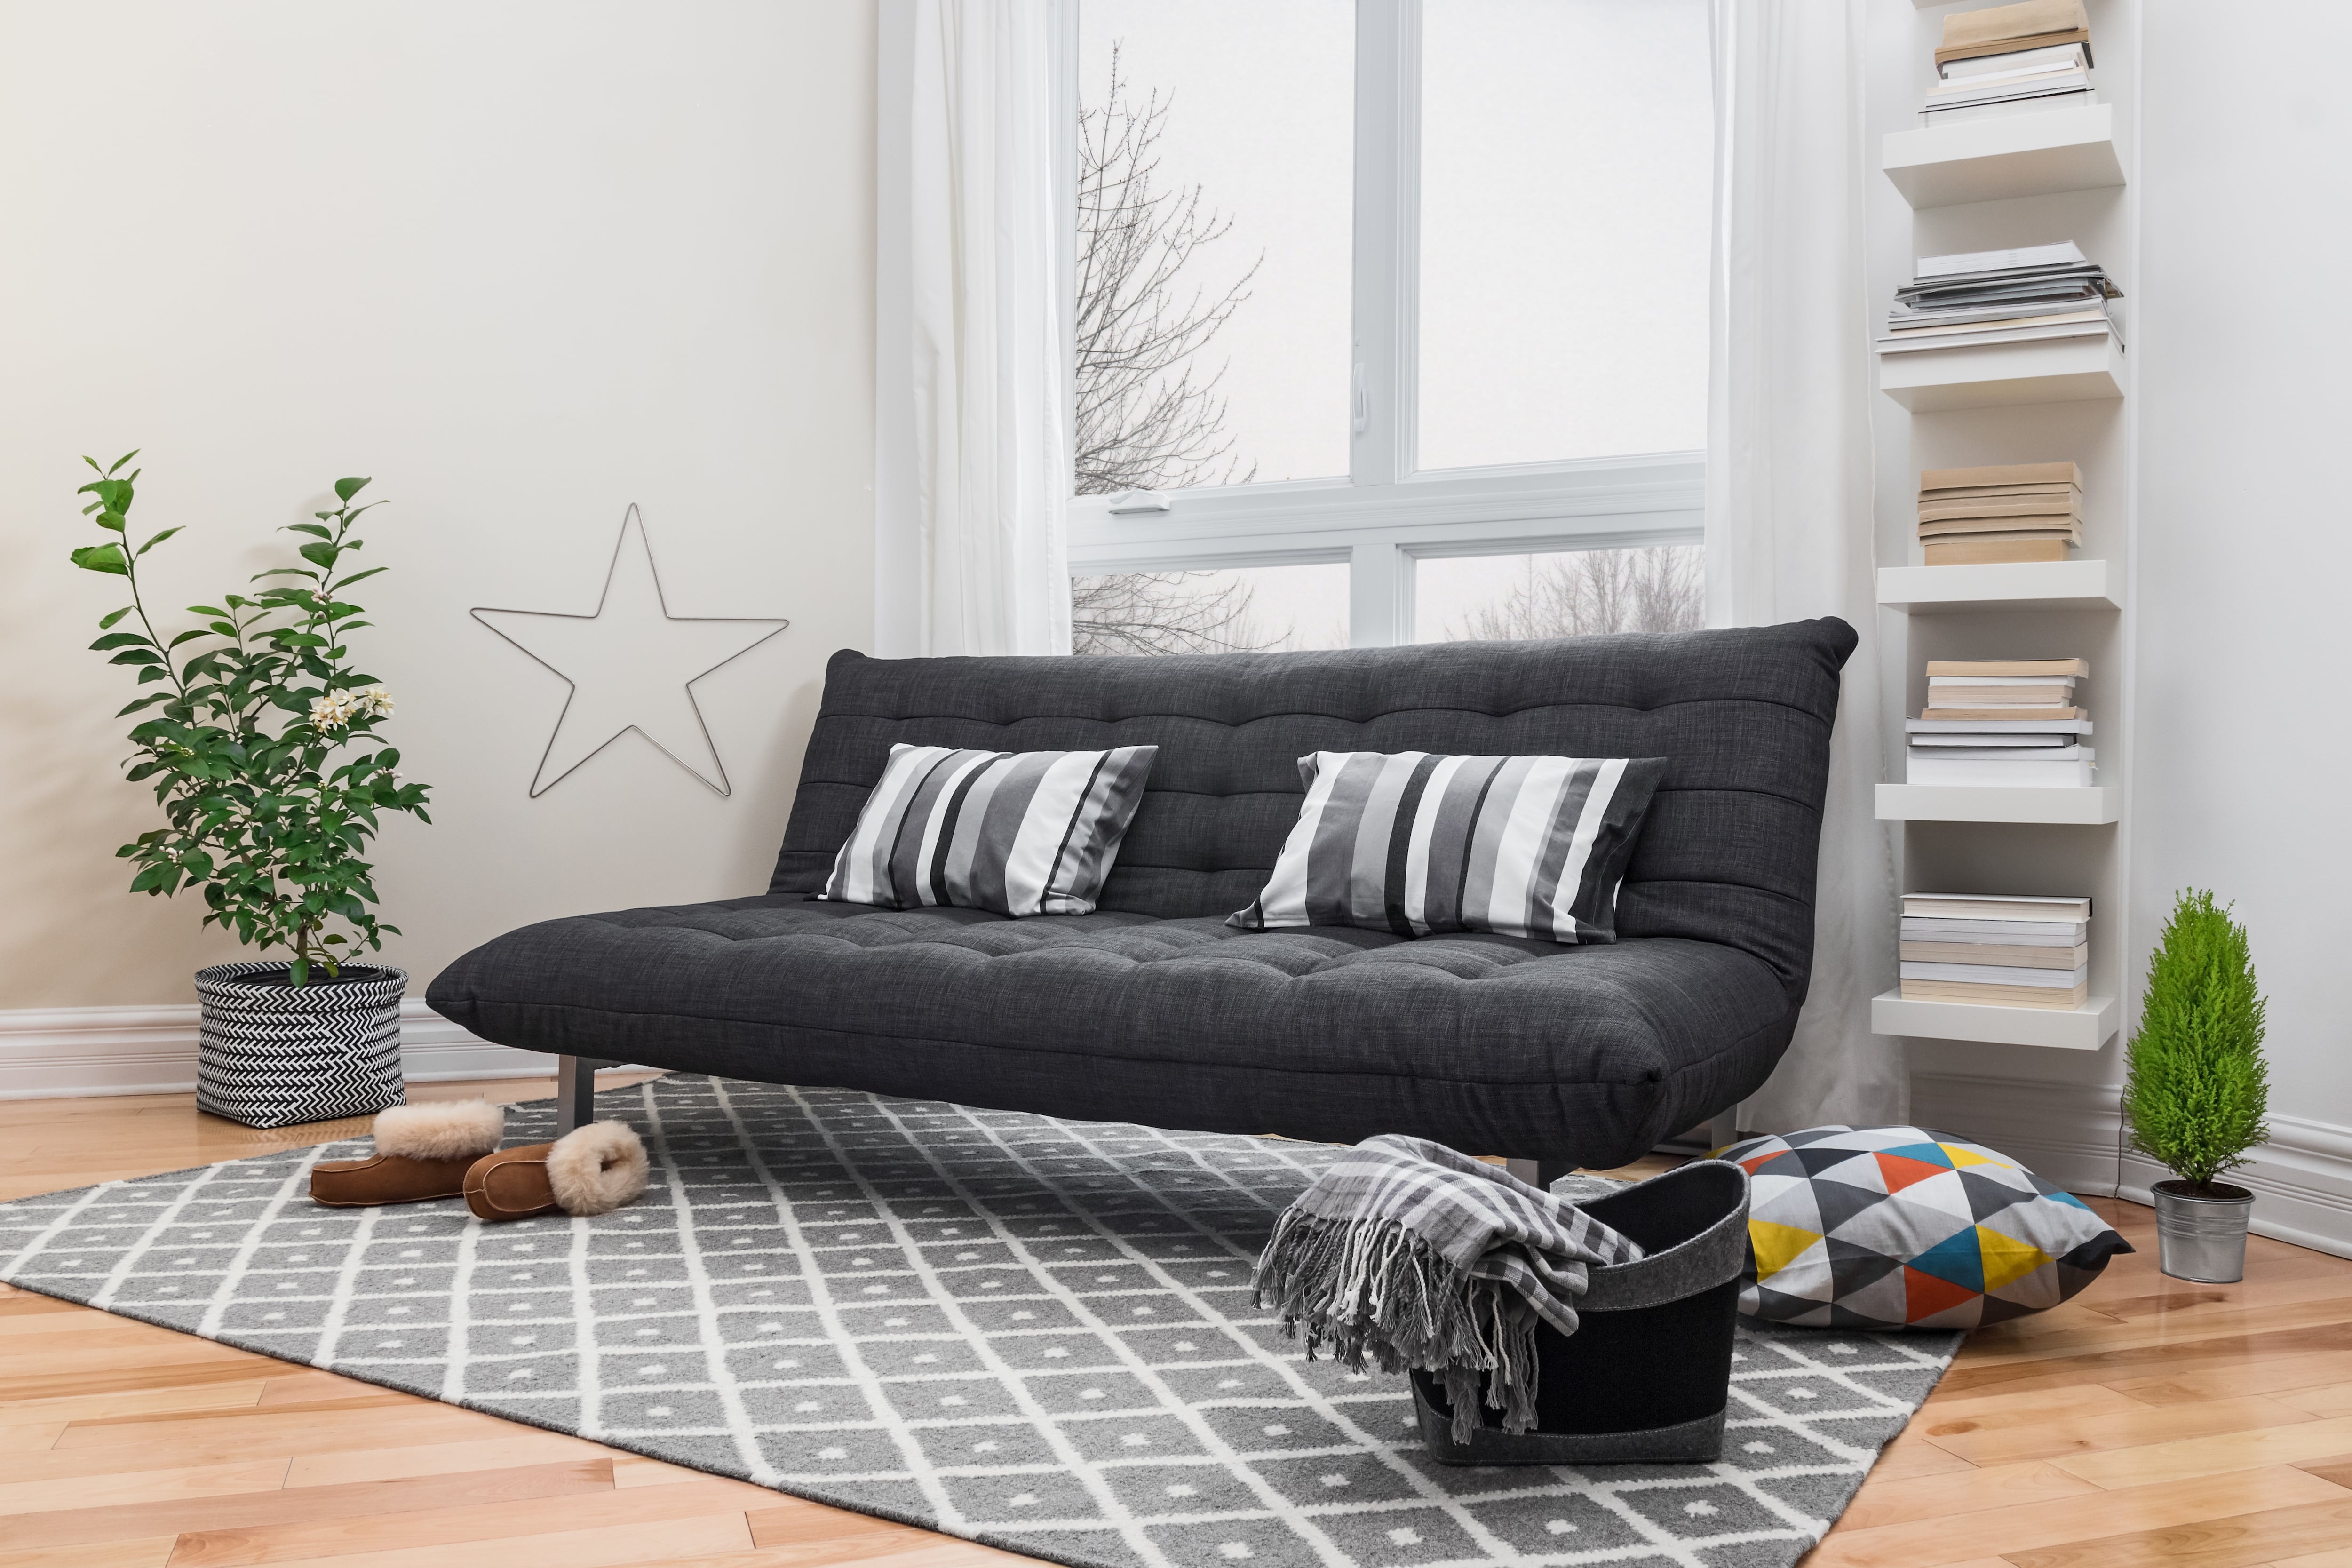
<point x="1788" y="486"/>
<point x="971" y="403"/>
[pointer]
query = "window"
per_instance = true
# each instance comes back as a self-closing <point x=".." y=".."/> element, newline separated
<point x="1383" y="302"/>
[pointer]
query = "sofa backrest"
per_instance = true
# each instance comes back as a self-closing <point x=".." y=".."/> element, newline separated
<point x="1726" y="856"/>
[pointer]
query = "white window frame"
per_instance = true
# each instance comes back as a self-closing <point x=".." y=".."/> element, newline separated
<point x="1387" y="511"/>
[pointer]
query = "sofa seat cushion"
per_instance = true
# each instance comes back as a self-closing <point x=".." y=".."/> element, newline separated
<point x="1495" y="1044"/>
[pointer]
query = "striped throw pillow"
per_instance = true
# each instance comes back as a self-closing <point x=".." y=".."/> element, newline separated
<point x="1021" y="833"/>
<point x="1415" y="844"/>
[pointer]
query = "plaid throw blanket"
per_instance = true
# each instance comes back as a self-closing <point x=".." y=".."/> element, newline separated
<point x="1431" y="1260"/>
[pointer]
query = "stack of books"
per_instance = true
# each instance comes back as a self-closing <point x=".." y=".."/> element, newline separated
<point x="1996" y="952"/>
<point x="2019" y="512"/>
<point x="2011" y="58"/>
<point x="1981" y="297"/>
<point x="2011" y="723"/>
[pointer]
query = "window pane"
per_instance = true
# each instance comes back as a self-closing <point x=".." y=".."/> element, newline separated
<point x="1215" y="160"/>
<point x="1566" y="177"/>
<point x="1223" y="611"/>
<point x="1558" y="594"/>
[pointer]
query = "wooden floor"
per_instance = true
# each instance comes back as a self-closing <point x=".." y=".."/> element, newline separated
<point x="2147" y="1422"/>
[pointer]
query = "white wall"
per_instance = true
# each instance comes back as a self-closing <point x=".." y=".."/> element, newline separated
<point x="524" y="263"/>
<point x="2245" y="532"/>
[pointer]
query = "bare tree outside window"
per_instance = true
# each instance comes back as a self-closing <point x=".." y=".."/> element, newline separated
<point x="1582" y="592"/>
<point x="1162" y="612"/>
<point x="1149" y="414"/>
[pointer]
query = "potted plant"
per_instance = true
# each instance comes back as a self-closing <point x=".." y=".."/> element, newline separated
<point x="2196" y="1089"/>
<point x="262" y="743"/>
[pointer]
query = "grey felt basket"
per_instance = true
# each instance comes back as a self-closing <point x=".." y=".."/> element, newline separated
<point x="1647" y="1376"/>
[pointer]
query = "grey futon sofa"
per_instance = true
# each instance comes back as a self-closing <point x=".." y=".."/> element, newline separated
<point x="1152" y="1009"/>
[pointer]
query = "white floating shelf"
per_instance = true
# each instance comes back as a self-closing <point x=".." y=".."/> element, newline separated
<point x="2032" y="153"/>
<point x="2045" y="370"/>
<point x="2083" y="1029"/>
<point x="2003" y="585"/>
<point x="2081" y="804"/>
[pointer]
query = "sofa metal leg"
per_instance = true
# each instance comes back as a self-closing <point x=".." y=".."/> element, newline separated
<point x="575" y="1091"/>
<point x="1539" y="1172"/>
<point x="1723" y="1130"/>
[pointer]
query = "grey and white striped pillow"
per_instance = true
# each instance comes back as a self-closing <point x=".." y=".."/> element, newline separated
<point x="1021" y="833"/>
<point x="1415" y="843"/>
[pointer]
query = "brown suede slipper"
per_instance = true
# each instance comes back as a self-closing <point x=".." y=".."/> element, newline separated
<point x="386" y="1179"/>
<point x="510" y="1184"/>
<point x="422" y="1151"/>
<point x="591" y="1171"/>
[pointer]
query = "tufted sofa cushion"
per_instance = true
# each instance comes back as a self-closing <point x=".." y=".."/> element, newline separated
<point x="1151" y="1009"/>
<point x="1486" y="1042"/>
<point x="1727" y="853"/>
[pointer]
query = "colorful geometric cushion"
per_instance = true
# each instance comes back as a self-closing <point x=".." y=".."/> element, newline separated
<point x="1899" y="1227"/>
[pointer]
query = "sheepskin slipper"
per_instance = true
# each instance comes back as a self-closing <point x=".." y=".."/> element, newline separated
<point x="422" y="1151"/>
<point x="592" y="1171"/>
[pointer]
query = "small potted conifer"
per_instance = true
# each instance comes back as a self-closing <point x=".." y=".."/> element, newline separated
<point x="2196" y="1091"/>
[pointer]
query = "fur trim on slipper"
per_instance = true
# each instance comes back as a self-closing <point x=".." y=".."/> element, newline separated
<point x="446" y="1130"/>
<point x="597" y="1168"/>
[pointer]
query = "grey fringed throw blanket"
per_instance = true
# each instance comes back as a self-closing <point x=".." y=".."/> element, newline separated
<point x="1433" y="1261"/>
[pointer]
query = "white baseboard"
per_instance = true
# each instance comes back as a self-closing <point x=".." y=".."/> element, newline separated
<point x="2067" y="1133"/>
<point x="56" y="1052"/>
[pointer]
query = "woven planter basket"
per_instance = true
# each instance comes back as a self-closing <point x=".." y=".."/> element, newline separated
<point x="274" y="1054"/>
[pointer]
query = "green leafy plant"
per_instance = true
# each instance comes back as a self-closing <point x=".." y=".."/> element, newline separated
<point x="263" y="741"/>
<point x="2196" y="1089"/>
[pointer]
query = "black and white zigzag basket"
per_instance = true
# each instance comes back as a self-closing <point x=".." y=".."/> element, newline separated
<point x="274" y="1054"/>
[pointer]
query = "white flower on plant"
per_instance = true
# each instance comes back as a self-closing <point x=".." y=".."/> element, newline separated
<point x="337" y="709"/>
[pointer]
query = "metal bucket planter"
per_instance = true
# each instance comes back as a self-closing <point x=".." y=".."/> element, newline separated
<point x="2202" y="1238"/>
<point x="274" y="1054"/>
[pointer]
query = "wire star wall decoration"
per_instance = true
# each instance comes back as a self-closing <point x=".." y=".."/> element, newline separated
<point x="630" y="664"/>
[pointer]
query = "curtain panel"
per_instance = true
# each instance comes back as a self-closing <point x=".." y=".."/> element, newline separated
<point x="1788" y="488"/>
<point x="973" y="331"/>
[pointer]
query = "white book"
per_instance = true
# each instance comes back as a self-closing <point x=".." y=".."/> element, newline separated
<point x="2019" y="754"/>
<point x="1998" y="975"/>
<point x="1997" y="726"/>
<point x="1915" y="343"/>
<point x="2015" y="933"/>
<point x="2078" y="97"/>
<point x="2061" y="254"/>
<point x="1981" y="743"/>
<point x="2011" y="906"/>
<point x="2028" y="85"/>
<point x="2001" y="680"/>
<point x="2003" y="773"/>
<point x="2050" y="57"/>
<point x="2007" y="697"/>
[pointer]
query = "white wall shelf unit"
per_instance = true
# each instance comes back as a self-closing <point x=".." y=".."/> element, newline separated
<point x="2000" y="181"/>
<point x="2083" y="1029"/>
<point x="2033" y="152"/>
<point x="1989" y="376"/>
<point x="2006" y="585"/>
<point x="2073" y="804"/>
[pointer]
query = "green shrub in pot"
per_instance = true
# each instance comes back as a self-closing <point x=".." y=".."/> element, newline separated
<point x="2197" y="1091"/>
<point x="262" y="743"/>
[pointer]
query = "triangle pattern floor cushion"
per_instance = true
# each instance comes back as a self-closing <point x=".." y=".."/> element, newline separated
<point x="1899" y="1227"/>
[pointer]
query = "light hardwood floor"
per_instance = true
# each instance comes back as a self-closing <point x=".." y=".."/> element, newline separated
<point x="2148" y="1422"/>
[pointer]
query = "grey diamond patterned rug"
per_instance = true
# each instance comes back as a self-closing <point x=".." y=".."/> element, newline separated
<point x="1030" y="1332"/>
